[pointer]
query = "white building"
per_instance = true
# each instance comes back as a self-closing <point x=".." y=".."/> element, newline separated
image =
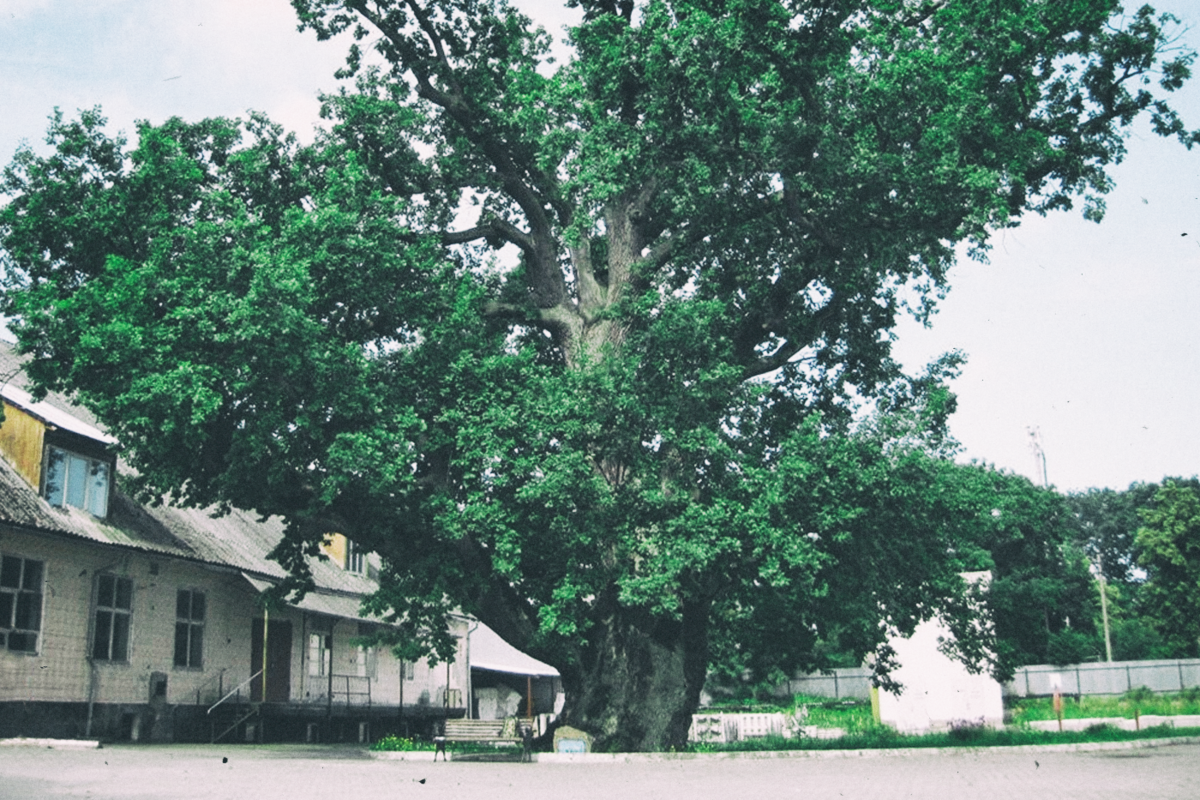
<point x="939" y="692"/>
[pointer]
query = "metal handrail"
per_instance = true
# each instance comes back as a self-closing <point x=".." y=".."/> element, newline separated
<point x="235" y="690"/>
<point x="218" y="679"/>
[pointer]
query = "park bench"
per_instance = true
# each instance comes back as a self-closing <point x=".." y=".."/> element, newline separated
<point x="511" y="731"/>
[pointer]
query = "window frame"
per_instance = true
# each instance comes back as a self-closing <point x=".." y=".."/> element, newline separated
<point x="114" y="613"/>
<point x="320" y="653"/>
<point x="366" y="661"/>
<point x="193" y="629"/>
<point x="356" y="559"/>
<point x="33" y="604"/>
<point x="94" y="502"/>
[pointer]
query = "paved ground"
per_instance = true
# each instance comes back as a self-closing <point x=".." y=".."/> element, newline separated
<point x="295" y="772"/>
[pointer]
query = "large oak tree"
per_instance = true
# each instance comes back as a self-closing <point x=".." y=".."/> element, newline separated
<point x="575" y="345"/>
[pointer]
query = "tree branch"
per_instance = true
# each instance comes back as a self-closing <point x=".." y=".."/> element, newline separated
<point x="492" y="229"/>
<point x="546" y="281"/>
<point x="782" y="355"/>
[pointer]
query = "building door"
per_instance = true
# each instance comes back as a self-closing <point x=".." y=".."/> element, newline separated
<point x="279" y="660"/>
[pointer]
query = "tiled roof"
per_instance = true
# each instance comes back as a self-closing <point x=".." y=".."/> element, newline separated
<point x="239" y="539"/>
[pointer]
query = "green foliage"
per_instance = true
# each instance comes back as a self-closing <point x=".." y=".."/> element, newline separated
<point x="852" y="717"/>
<point x="1170" y="552"/>
<point x="629" y="449"/>
<point x="883" y="738"/>
<point x="1070" y="646"/>
<point x="1107" y="525"/>
<point x="1042" y="597"/>
<point x="400" y="744"/>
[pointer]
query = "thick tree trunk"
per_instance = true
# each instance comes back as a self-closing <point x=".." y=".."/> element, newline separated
<point x="638" y="681"/>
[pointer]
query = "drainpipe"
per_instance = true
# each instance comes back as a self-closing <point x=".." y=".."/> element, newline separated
<point x="333" y="621"/>
<point x="470" y="683"/>
<point x="93" y="674"/>
<point x="400" y="710"/>
<point x="87" y="731"/>
<point x="266" y="617"/>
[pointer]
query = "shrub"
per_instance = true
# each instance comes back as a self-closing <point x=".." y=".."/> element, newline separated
<point x="967" y="731"/>
<point x="399" y="744"/>
<point x="1141" y="694"/>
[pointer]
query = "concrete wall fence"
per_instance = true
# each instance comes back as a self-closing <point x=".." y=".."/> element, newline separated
<point x="1118" y="677"/>
<point x="852" y="683"/>
<point x="1100" y="678"/>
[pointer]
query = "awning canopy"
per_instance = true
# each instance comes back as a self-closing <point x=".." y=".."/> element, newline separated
<point x="490" y="652"/>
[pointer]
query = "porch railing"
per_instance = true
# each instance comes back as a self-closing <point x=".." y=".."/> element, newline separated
<point x="350" y="689"/>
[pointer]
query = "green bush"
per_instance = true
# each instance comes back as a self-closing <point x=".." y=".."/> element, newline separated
<point x="968" y="733"/>
<point x="399" y="744"/>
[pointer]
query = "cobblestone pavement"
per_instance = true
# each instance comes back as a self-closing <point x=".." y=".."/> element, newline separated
<point x="262" y="773"/>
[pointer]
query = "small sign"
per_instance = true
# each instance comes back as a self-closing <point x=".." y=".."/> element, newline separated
<point x="572" y="740"/>
<point x="572" y="746"/>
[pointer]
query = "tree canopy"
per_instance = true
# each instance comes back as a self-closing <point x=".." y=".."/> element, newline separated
<point x="1170" y="551"/>
<point x="577" y="347"/>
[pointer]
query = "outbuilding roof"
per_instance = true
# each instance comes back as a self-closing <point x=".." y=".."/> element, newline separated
<point x="490" y="652"/>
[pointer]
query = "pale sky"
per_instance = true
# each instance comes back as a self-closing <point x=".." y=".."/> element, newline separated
<point x="1088" y="333"/>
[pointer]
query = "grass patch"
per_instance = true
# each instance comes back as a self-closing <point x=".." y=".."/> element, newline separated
<point x="1139" y="701"/>
<point x="851" y="716"/>
<point x="400" y="744"/>
<point x="882" y="738"/>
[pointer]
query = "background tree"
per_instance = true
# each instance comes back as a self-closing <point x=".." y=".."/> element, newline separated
<point x="1108" y="521"/>
<point x="1041" y="596"/>
<point x="1170" y="551"/>
<point x="624" y="434"/>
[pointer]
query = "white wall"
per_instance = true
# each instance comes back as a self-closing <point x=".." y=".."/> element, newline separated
<point x="938" y="691"/>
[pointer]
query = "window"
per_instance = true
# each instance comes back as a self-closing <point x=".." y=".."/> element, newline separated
<point x="189" y="629"/>
<point x="406" y="667"/>
<point x="320" y="649"/>
<point x="356" y="560"/>
<point x="74" y="480"/>
<point x="364" y="656"/>
<point x="114" y="604"/>
<point x="364" y="662"/>
<point x="20" y="603"/>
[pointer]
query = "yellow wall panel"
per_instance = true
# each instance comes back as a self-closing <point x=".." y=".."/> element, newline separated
<point x="334" y="546"/>
<point x="21" y="438"/>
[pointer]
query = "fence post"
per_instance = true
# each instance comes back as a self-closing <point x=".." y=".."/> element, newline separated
<point x="836" y="694"/>
<point x="1078" y="685"/>
<point x="1027" y="681"/>
<point x="1128" y="680"/>
<point x="1179" y="666"/>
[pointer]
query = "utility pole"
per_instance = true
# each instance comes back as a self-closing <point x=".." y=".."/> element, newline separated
<point x="1039" y="453"/>
<point x="1104" y="606"/>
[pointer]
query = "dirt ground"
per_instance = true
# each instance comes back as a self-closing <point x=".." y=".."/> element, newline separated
<point x="266" y="772"/>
